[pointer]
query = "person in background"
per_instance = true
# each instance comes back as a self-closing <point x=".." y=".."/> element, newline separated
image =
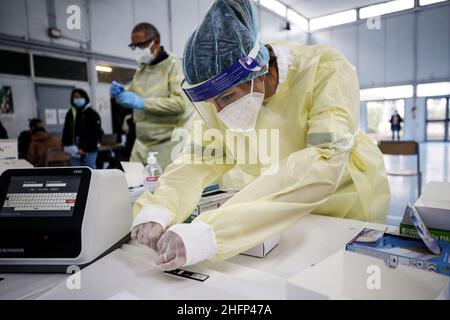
<point x="82" y="131"/>
<point x="129" y="127"/>
<point x="3" y="132"/>
<point x="41" y="142"/>
<point x="155" y="95"/>
<point x="24" y="140"/>
<point x="396" y="125"/>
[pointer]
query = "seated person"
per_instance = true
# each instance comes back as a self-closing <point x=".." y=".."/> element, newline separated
<point x="41" y="142"/>
<point x="25" y="137"/>
<point x="3" y="132"/>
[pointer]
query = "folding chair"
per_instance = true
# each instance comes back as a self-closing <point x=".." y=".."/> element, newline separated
<point x="404" y="148"/>
<point x="57" y="157"/>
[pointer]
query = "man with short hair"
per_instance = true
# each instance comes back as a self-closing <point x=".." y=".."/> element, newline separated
<point x="155" y="95"/>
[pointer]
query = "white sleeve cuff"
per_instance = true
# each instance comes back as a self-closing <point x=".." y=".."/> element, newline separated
<point x="199" y="240"/>
<point x="153" y="213"/>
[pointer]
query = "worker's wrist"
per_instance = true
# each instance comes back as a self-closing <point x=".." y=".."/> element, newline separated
<point x="140" y="103"/>
<point x="153" y="213"/>
<point x="199" y="241"/>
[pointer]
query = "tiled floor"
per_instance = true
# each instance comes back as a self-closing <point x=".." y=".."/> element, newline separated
<point x="435" y="165"/>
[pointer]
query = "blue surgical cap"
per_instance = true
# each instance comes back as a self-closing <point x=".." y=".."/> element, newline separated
<point x="228" y="32"/>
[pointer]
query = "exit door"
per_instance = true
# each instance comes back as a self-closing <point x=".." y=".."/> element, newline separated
<point x="53" y="102"/>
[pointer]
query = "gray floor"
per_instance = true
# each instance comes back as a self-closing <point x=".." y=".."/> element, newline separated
<point x="435" y="163"/>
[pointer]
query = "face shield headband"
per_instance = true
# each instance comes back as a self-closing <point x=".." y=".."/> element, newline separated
<point x="226" y="80"/>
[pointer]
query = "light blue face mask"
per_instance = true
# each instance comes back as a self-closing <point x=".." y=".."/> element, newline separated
<point x="79" y="102"/>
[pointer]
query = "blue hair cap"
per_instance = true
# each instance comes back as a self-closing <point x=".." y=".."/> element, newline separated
<point x="228" y="32"/>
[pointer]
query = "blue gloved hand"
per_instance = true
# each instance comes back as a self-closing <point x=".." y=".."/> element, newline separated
<point x="116" y="89"/>
<point x="131" y="100"/>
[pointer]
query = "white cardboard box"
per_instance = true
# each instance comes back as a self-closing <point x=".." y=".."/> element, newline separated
<point x="348" y="275"/>
<point x="263" y="249"/>
<point x="433" y="206"/>
<point x="8" y="149"/>
<point x="213" y="200"/>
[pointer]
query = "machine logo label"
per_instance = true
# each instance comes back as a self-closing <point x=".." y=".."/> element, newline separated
<point x="12" y="250"/>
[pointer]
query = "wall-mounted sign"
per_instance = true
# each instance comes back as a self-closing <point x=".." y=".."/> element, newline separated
<point x="6" y="100"/>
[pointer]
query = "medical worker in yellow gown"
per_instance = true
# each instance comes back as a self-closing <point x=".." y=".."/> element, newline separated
<point x="158" y="103"/>
<point x="327" y="166"/>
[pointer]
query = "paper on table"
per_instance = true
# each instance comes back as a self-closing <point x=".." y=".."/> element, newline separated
<point x="436" y="195"/>
<point x="134" y="173"/>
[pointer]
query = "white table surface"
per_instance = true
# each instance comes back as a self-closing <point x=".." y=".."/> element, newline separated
<point x="130" y="271"/>
<point x="311" y="240"/>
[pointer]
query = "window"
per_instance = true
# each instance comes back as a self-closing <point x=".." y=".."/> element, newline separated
<point x="438" y="119"/>
<point x="49" y="67"/>
<point x="17" y="63"/>
<point x="385" y="8"/>
<point x="379" y="114"/>
<point x="275" y="6"/>
<point x="119" y="74"/>
<point x="428" y="2"/>
<point x="435" y="89"/>
<point x="332" y="20"/>
<point x="387" y="93"/>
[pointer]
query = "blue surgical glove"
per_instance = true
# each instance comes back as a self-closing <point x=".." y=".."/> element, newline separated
<point x="116" y="89"/>
<point x="131" y="100"/>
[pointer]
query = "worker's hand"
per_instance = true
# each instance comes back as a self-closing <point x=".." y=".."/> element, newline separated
<point x="81" y="152"/>
<point x="171" y="252"/>
<point x="185" y="244"/>
<point x="148" y="234"/>
<point x="116" y="89"/>
<point x="130" y="100"/>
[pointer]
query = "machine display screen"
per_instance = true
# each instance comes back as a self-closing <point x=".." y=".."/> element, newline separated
<point x="41" y="196"/>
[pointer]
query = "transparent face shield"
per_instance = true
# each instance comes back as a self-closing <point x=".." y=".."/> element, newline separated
<point x="237" y="93"/>
<point x="227" y="88"/>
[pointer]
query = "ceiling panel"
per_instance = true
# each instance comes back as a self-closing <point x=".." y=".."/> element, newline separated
<point x="317" y="8"/>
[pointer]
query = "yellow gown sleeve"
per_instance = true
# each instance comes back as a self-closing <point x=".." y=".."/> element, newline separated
<point x="183" y="182"/>
<point x="175" y="102"/>
<point x="306" y="178"/>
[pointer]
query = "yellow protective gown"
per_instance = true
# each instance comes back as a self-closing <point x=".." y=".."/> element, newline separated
<point x="166" y="108"/>
<point x="328" y="166"/>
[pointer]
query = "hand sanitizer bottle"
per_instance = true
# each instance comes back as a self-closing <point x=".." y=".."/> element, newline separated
<point x="152" y="172"/>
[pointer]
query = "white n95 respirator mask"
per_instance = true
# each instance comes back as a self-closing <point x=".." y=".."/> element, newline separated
<point x="145" y="56"/>
<point x="241" y="115"/>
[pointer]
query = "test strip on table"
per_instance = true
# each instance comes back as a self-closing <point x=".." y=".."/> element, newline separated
<point x="188" y="275"/>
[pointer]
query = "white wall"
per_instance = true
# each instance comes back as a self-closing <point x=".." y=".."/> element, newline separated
<point x="434" y="39"/>
<point x="107" y="23"/>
